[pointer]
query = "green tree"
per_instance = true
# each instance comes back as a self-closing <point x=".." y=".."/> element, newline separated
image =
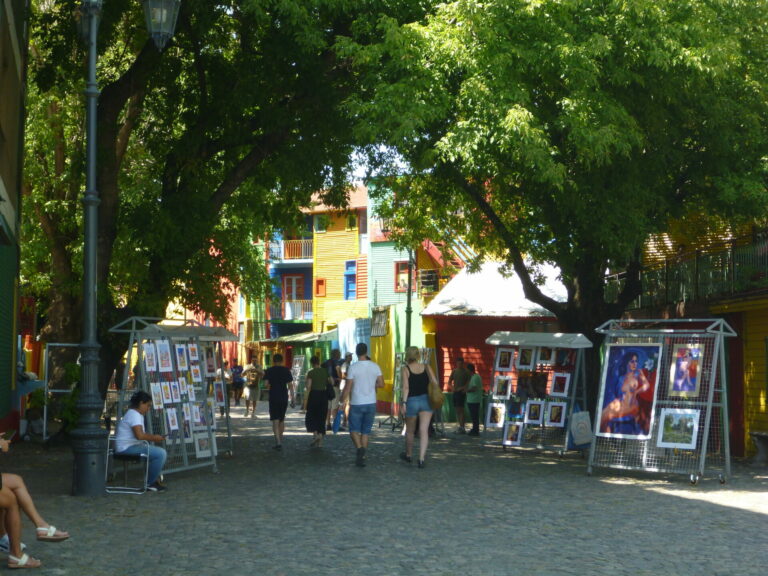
<point x="567" y="131"/>
<point x="201" y="149"/>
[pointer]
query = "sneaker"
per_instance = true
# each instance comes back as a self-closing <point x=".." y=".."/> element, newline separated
<point x="156" y="487"/>
<point x="5" y="545"/>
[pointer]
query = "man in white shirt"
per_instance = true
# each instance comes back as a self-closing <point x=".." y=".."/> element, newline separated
<point x="363" y="377"/>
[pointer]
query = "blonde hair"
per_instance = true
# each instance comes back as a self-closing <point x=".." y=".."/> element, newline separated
<point x="412" y="354"/>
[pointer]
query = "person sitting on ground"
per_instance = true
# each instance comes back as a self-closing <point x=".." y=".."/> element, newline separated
<point x="130" y="436"/>
<point x="14" y="497"/>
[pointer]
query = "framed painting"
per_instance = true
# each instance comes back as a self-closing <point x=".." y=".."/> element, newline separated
<point x="504" y="359"/>
<point x="218" y="392"/>
<point x="194" y="355"/>
<point x="678" y="428"/>
<point x="203" y="445"/>
<point x="628" y="390"/>
<point x="685" y="371"/>
<point x="525" y="357"/>
<point x="181" y="357"/>
<point x="546" y="356"/>
<point x="534" y="411"/>
<point x="513" y="433"/>
<point x="555" y="414"/>
<point x="502" y="387"/>
<point x="494" y="415"/>
<point x="164" y="361"/>
<point x="560" y="383"/>
<point x="150" y="357"/>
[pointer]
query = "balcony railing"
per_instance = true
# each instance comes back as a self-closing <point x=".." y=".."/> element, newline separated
<point x="291" y="250"/>
<point x="741" y="267"/>
<point x="291" y="310"/>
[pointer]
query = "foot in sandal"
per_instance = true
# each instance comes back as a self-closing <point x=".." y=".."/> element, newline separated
<point x="26" y="561"/>
<point x="51" y="534"/>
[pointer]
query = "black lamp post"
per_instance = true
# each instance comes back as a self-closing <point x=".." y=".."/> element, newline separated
<point x="88" y="439"/>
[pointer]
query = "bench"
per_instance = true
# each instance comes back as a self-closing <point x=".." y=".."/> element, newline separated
<point x="760" y="438"/>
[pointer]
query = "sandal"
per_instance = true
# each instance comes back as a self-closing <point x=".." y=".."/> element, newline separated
<point x="50" y="534"/>
<point x="26" y="561"/>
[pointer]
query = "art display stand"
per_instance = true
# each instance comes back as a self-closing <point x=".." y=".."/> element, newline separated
<point x="663" y="402"/>
<point x="176" y="362"/>
<point x="537" y="388"/>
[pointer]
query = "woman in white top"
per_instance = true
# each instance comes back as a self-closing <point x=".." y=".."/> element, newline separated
<point x="130" y="436"/>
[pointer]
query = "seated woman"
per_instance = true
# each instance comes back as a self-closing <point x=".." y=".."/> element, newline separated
<point x="130" y="436"/>
<point x="14" y="497"/>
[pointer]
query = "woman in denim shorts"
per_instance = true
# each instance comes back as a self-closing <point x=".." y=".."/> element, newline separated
<point x="416" y="378"/>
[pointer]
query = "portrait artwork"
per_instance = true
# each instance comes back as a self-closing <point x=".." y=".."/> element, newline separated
<point x="504" y="359"/>
<point x="525" y="357"/>
<point x="150" y="358"/>
<point x="157" y="395"/>
<point x="628" y="390"/>
<point x="501" y="386"/>
<point x="513" y="433"/>
<point x="555" y="414"/>
<point x="534" y="411"/>
<point x="560" y="384"/>
<point x="164" y="362"/>
<point x="494" y="416"/>
<point x="219" y="392"/>
<point x="685" y="371"/>
<point x="181" y="358"/>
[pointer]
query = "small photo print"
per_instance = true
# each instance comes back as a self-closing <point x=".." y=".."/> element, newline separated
<point x="546" y="356"/>
<point x="194" y="356"/>
<point x="210" y="413"/>
<point x="182" y="384"/>
<point x="555" y="414"/>
<point x="187" y="412"/>
<point x="210" y="362"/>
<point x="196" y="375"/>
<point x="173" y="419"/>
<point x="157" y="395"/>
<point x="525" y="357"/>
<point x="218" y="392"/>
<point x="197" y="416"/>
<point x="203" y="445"/>
<point x="166" y="388"/>
<point x="494" y="417"/>
<point x="534" y="411"/>
<point x="560" y="384"/>
<point x="513" y="433"/>
<point x="504" y="359"/>
<point x="502" y="386"/>
<point x="150" y="357"/>
<point x="181" y="358"/>
<point x="679" y="428"/>
<point x="175" y="392"/>
<point x="164" y="361"/>
<point x="191" y="393"/>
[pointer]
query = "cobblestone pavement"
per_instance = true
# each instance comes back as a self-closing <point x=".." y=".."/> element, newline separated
<point x="475" y="509"/>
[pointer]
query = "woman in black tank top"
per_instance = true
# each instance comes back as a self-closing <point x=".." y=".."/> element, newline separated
<point x="415" y="378"/>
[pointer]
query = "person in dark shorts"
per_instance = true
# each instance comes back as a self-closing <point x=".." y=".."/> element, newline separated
<point x="238" y="383"/>
<point x="280" y="382"/>
<point x="459" y="379"/>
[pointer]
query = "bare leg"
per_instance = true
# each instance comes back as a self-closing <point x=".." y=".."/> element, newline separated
<point x="276" y="431"/>
<point x="15" y="483"/>
<point x="410" y="429"/>
<point x="424" y="418"/>
<point x="12" y="522"/>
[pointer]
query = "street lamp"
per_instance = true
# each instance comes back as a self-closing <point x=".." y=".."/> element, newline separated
<point x="88" y="439"/>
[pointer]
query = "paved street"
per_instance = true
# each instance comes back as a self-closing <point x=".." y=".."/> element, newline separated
<point x="475" y="509"/>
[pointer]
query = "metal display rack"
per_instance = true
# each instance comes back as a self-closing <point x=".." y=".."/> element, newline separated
<point x="536" y="374"/>
<point x="688" y="430"/>
<point x="181" y="377"/>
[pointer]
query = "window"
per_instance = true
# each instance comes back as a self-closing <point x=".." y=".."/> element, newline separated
<point x="380" y="321"/>
<point x="319" y="286"/>
<point x="350" y="280"/>
<point x="401" y="277"/>
<point x="351" y="220"/>
<point x="320" y="222"/>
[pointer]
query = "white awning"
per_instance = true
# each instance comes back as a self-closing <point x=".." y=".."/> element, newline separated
<point x="546" y="339"/>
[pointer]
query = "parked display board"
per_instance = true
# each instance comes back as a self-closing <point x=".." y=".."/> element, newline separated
<point x="663" y="398"/>
<point x="537" y="382"/>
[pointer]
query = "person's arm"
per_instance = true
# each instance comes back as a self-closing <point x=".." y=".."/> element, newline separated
<point x="431" y="375"/>
<point x="404" y="385"/>
<point x="141" y="435"/>
<point x="348" y="390"/>
<point x="379" y="381"/>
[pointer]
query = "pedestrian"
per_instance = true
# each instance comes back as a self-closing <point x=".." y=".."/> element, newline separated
<point x="474" y="398"/>
<point x="416" y="378"/>
<point x="280" y="382"/>
<point x="316" y="392"/>
<point x="14" y="499"/>
<point x="333" y="366"/>
<point x="459" y="379"/>
<point x="238" y="383"/>
<point x="253" y="375"/>
<point x="130" y="437"/>
<point x="363" y="378"/>
<point x="225" y="376"/>
<point x="344" y="370"/>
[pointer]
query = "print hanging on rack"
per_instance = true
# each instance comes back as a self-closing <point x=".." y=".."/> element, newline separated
<point x="513" y="433"/>
<point x="505" y="359"/>
<point x="685" y="371"/>
<point x="494" y="416"/>
<point x="164" y="356"/>
<point x="546" y="356"/>
<point x="157" y="395"/>
<point x="525" y="357"/>
<point x="193" y="354"/>
<point x="560" y="383"/>
<point x="555" y="414"/>
<point x="502" y="386"/>
<point x="150" y="358"/>
<point x="678" y="428"/>
<point x="534" y="411"/>
<point x="181" y="358"/>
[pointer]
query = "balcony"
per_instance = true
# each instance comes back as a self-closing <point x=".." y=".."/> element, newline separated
<point x="286" y="250"/>
<point x="739" y="267"/>
<point x="300" y="310"/>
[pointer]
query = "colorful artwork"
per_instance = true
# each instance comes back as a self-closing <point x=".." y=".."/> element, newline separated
<point x="504" y="359"/>
<point x="210" y="362"/>
<point x="203" y="445"/>
<point x="181" y="358"/>
<point x="218" y="392"/>
<point x="502" y="387"/>
<point x="525" y="357"/>
<point x="196" y="375"/>
<point x="534" y="411"/>
<point x="685" y="371"/>
<point x="555" y="414"/>
<point x="678" y="428"/>
<point x="513" y="433"/>
<point x="494" y="415"/>
<point x="182" y="385"/>
<point x="157" y="395"/>
<point x="166" y="388"/>
<point x="164" y="361"/>
<point x="150" y="357"/>
<point x="560" y="384"/>
<point x="175" y="392"/>
<point x="173" y="419"/>
<point x="194" y="356"/>
<point x="191" y="393"/>
<point x="628" y="391"/>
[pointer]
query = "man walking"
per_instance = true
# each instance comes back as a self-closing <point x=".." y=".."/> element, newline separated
<point x="363" y="378"/>
<point x="279" y="379"/>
